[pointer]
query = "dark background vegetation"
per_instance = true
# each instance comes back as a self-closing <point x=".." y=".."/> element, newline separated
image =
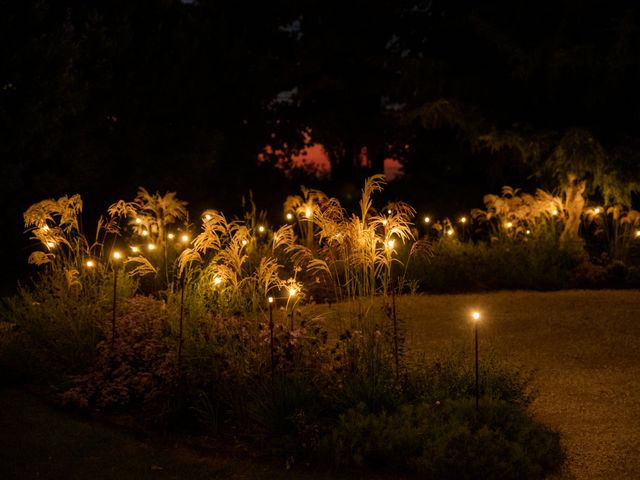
<point x="99" y="98"/>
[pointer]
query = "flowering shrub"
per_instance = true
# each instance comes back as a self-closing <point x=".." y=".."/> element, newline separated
<point x="137" y="368"/>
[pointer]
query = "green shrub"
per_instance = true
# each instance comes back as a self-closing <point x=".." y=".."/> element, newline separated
<point x="57" y="323"/>
<point x="536" y="264"/>
<point x="448" y="440"/>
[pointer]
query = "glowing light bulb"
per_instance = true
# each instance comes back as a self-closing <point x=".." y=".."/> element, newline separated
<point x="244" y="242"/>
<point x="555" y="212"/>
<point x="307" y="212"/>
<point x="596" y="210"/>
<point x="138" y="221"/>
<point x="384" y="222"/>
<point x="171" y="236"/>
<point x="270" y="299"/>
<point x="463" y="220"/>
<point x="391" y="243"/>
<point x="90" y="264"/>
<point x="151" y="246"/>
<point x="45" y="228"/>
<point x="261" y="229"/>
<point x="509" y="224"/>
<point x="217" y="281"/>
<point x="637" y="233"/>
<point x="289" y="217"/>
<point x="135" y="249"/>
<point x="389" y="212"/>
<point x="184" y="238"/>
<point x="207" y="217"/>
<point x="116" y="255"/>
<point x="450" y="232"/>
<point x="145" y="233"/>
<point x="475" y="316"/>
<point x="51" y="244"/>
<point x="292" y="292"/>
<point x="528" y="232"/>
<point x="427" y="219"/>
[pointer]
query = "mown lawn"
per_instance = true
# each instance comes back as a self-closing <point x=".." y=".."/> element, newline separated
<point x="583" y="345"/>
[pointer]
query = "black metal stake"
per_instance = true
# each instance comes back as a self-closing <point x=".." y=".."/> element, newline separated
<point x="395" y="331"/>
<point x="180" y="325"/>
<point x="273" y="364"/>
<point x="115" y="296"/>
<point x="477" y="384"/>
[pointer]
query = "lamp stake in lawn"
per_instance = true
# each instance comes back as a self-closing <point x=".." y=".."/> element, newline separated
<point x="395" y="332"/>
<point x="476" y="319"/>
<point x="116" y="257"/>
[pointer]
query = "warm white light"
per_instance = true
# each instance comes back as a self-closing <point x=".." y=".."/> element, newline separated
<point x="138" y="221"/>
<point x="289" y="216"/>
<point x="270" y="299"/>
<point x="307" y="212"/>
<point x="528" y="232"/>
<point x="292" y="292"/>
<point x="384" y="222"/>
<point x="261" y="229"/>
<point x="555" y="212"/>
<point x="151" y="246"/>
<point x="475" y="316"/>
<point x="596" y="210"/>
<point x="244" y="242"/>
<point x="463" y="220"/>
<point x="637" y="233"/>
<point x="450" y="232"/>
<point x="135" y="249"/>
<point x="427" y="219"/>
<point x="509" y="224"/>
<point x="51" y="244"/>
<point x="145" y="233"/>
<point x="391" y="243"/>
<point x="207" y="217"/>
<point x="171" y="236"/>
<point x="116" y="255"/>
<point x="184" y="238"/>
<point x="45" y="228"/>
<point x="389" y="212"/>
<point x="217" y="281"/>
<point x="90" y="264"/>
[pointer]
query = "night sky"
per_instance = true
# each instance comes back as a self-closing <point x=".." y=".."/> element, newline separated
<point x="99" y="98"/>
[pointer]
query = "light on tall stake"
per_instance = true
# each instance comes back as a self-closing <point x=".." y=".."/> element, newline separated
<point x="476" y="318"/>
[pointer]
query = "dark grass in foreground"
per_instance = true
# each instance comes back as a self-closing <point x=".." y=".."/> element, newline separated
<point x="37" y="441"/>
